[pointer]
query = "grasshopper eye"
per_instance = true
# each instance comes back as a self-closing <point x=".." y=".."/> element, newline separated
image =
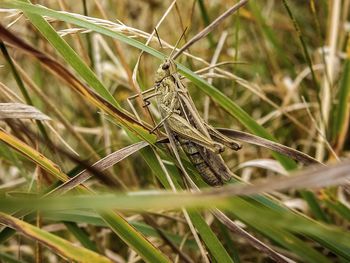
<point x="166" y="65"/>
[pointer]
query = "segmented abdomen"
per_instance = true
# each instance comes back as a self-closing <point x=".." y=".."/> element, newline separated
<point x="191" y="149"/>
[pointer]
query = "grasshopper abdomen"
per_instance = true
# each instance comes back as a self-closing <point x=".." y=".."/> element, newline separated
<point x="203" y="168"/>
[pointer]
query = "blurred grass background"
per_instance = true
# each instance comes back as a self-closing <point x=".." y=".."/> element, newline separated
<point x="285" y="63"/>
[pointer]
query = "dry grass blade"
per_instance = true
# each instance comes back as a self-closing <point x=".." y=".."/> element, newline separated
<point x="100" y="165"/>
<point x="210" y="27"/>
<point x="253" y="139"/>
<point x="313" y="177"/>
<point x="21" y="111"/>
<point x="267" y="164"/>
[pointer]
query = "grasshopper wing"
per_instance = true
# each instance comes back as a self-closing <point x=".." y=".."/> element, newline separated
<point x="182" y="128"/>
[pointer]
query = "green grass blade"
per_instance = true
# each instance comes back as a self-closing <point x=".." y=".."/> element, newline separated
<point x="343" y="108"/>
<point x="61" y="246"/>
<point x="81" y="235"/>
<point x="129" y="235"/>
<point x="206" y="20"/>
<point x="329" y="236"/>
<point x="10" y="259"/>
<point x="91" y="218"/>
<point x="334" y="238"/>
<point x="340" y="208"/>
<point x="229" y="244"/>
<point x="269" y="34"/>
<point x="215" y="248"/>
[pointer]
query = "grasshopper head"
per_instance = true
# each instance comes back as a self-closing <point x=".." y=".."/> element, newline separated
<point x="166" y="69"/>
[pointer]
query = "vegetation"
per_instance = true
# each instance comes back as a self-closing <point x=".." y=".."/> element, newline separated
<point x="82" y="179"/>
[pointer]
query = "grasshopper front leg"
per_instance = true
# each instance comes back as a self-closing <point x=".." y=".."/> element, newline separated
<point x="170" y="110"/>
<point x="141" y="94"/>
<point x="134" y="97"/>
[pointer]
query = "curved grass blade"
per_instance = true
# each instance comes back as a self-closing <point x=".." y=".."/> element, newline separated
<point x="274" y="146"/>
<point x="327" y="235"/>
<point x="100" y="165"/>
<point x="34" y="155"/>
<point x="21" y="111"/>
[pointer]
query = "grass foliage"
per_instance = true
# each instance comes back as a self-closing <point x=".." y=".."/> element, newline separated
<point x="83" y="180"/>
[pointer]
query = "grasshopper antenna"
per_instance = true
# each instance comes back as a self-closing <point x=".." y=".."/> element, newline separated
<point x="177" y="43"/>
<point x="211" y="27"/>
<point x="160" y="42"/>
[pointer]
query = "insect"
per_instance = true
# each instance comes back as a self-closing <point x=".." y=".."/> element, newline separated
<point x="201" y="143"/>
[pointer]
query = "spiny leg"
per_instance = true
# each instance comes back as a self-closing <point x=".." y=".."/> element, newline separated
<point x="146" y="99"/>
<point x="134" y="97"/>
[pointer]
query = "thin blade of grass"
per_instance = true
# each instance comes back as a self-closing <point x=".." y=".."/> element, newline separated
<point x="342" y="112"/>
<point x="206" y="20"/>
<point x="215" y="248"/>
<point x="81" y="235"/>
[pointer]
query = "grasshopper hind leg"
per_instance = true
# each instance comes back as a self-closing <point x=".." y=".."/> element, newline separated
<point x="221" y="138"/>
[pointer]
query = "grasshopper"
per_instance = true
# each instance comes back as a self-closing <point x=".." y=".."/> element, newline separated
<point x="201" y="143"/>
